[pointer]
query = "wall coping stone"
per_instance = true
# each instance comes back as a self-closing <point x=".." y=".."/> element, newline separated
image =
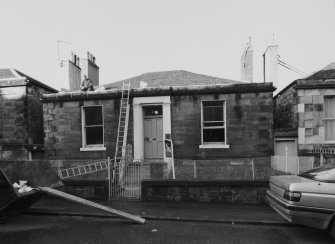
<point x="85" y="182"/>
<point x="285" y="132"/>
<point x="202" y="183"/>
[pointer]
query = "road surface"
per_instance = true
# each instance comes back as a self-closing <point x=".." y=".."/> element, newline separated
<point x="65" y="229"/>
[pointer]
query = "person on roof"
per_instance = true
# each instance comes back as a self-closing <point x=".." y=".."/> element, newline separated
<point x="86" y="84"/>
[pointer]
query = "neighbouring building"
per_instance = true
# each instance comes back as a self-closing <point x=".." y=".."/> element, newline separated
<point x="21" y="116"/>
<point x="305" y="118"/>
<point x="221" y="129"/>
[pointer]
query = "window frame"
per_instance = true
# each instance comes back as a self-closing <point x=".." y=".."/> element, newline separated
<point x="91" y="147"/>
<point x="212" y="145"/>
<point x="327" y="119"/>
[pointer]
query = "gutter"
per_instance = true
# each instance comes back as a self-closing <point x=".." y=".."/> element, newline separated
<point x="161" y="91"/>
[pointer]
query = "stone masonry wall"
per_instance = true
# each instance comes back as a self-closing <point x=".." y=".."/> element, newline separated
<point x="215" y="191"/>
<point x="249" y="126"/>
<point x="13" y="127"/>
<point x="311" y="129"/>
<point x="249" y="135"/>
<point x="35" y="114"/>
<point x="63" y="129"/>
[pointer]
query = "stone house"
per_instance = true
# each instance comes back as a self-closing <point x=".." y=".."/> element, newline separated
<point x="305" y="118"/>
<point x="21" y="116"/>
<point x="220" y="128"/>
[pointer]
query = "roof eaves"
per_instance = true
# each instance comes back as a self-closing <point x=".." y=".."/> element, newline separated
<point x="161" y="91"/>
<point x="285" y="89"/>
<point x="316" y="84"/>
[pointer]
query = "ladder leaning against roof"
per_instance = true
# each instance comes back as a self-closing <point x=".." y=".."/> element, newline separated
<point x="121" y="139"/>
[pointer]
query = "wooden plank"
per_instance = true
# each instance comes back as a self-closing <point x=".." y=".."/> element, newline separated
<point x="82" y="201"/>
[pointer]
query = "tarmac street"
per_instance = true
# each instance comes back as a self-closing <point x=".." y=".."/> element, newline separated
<point x="45" y="229"/>
<point x="152" y="210"/>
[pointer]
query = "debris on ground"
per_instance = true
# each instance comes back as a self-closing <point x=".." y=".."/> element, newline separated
<point x="22" y="186"/>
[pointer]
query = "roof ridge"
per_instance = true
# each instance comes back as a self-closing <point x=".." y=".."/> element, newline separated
<point x="173" y="78"/>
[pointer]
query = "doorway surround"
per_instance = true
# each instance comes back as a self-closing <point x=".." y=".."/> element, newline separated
<point x="138" y="102"/>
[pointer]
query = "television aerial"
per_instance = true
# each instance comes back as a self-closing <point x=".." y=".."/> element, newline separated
<point x="59" y="42"/>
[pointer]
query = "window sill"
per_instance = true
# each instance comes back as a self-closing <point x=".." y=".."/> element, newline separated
<point x="213" y="146"/>
<point x="89" y="149"/>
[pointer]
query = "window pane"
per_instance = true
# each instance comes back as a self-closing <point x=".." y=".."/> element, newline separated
<point x="214" y="135"/>
<point x="208" y="124"/>
<point x="93" y="115"/>
<point x="330" y="107"/>
<point x="94" y="135"/>
<point x="330" y="130"/>
<point x="152" y="110"/>
<point x="213" y="111"/>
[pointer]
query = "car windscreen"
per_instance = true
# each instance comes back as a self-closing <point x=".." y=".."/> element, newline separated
<point x="324" y="173"/>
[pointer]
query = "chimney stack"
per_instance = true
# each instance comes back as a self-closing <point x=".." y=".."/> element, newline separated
<point x="74" y="73"/>
<point x="90" y="69"/>
<point x="77" y="71"/>
<point x="247" y="64"/>
<point x="270" y="62"/>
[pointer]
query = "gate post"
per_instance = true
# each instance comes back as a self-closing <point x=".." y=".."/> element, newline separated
<point x="109" y="177"/>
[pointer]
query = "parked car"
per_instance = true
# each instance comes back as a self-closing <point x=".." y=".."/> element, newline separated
<point x="307" y="199"/>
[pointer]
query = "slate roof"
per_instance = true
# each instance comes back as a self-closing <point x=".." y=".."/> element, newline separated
<point x="6" y="73"/>
<point x="323" y="78"/>
<point x="172" y="78"/>
<point x="11" y="74"/>
<point x="326" y="73"/>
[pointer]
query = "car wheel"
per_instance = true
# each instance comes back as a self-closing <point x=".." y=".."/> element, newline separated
<point x="332" y="230"/>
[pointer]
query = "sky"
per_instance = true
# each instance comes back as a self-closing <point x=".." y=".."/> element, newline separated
<point x="132" y="37"/>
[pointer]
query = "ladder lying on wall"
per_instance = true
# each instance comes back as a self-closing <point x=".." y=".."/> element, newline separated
<point x="83" y="169"/>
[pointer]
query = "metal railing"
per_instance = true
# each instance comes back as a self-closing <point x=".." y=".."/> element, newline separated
<point x="296" y="164"/>
<point x="125" y="178"/>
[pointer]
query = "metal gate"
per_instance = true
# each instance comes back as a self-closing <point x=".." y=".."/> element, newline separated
<point x="125" y="178"/>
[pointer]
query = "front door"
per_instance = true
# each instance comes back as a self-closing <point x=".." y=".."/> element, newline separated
<point x="153" y="132"/>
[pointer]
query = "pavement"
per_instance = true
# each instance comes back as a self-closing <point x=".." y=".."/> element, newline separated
<point x="254" y="214"/>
